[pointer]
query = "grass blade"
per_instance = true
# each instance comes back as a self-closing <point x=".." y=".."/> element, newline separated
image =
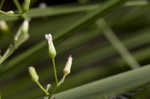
<point x="110" y="86"/>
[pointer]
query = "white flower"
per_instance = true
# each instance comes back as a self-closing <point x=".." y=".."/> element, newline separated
<point x="68" y="65"/>
<point x="52" y="50"/>
<point x="33" y="74"/>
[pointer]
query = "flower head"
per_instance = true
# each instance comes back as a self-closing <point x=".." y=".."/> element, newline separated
<point x="33" y="74"/>
<point x="68" y="65"/>
<point x="52" y="51"/>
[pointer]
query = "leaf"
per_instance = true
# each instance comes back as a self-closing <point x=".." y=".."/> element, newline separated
<point x="110" y="86"/>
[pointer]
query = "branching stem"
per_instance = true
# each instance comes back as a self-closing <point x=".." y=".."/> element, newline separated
<point x="54" y="70"/>
<point x="16" y="2"/>
<point x="42" y="88"/>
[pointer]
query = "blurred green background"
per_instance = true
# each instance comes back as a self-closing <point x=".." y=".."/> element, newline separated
<point x="73" y="25"/>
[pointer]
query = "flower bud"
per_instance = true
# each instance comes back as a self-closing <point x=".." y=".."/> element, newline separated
<point x="48" y="87"/>
<point x="52" y="51"/>
<point x="33" y="74"/>
<point x="67" y="68"/>
<point x="23" y="31"/>
<point x="10" y="12"/>
<point x="25" y="26"/>
<point x="3" y="26"/>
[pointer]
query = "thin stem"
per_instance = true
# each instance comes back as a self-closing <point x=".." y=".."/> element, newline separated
<point x="42" y="88"/>
<point x="12" y="48"/>
<point x="62" y="80"/>
<point x="18" y="5"/>
<point x="1" y="4"/>
<point x="54" y="69"/>
<point x="8" y="52"/>
<point x="47" y="88"/>
<point x="8" y="14"/>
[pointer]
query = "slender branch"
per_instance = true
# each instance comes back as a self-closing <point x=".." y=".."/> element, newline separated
<point x="48" y="87"/>
<point x="56" y="80"/>
<point x="8" y="52"/>
<point x="54" y="69"/>
<point x="16" y="2"/>
<point x="59" y="83"/>
<point x="21" y="38"/>
<point x="9" y="14"/>
<point x="42" y="88"/>
<point x="62" y="80"/>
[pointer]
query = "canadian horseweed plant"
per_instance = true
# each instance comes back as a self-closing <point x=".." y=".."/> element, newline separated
<point x="22" y="33"/>
<point x="21" y="36"/>
<point x="35" y="77"/>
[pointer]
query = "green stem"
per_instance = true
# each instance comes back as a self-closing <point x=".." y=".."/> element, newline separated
<point x="1" y="4"/>
<point x="8" y="14"/>
<point x="18" y="5"/>
<point x="54" y="69"/>
<point x="62" y="80"/>
<point x="8" y="52"/>
<point x="55" y="76"/>
<point x="21" y="39"/>
<point x="42" y="88"/>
